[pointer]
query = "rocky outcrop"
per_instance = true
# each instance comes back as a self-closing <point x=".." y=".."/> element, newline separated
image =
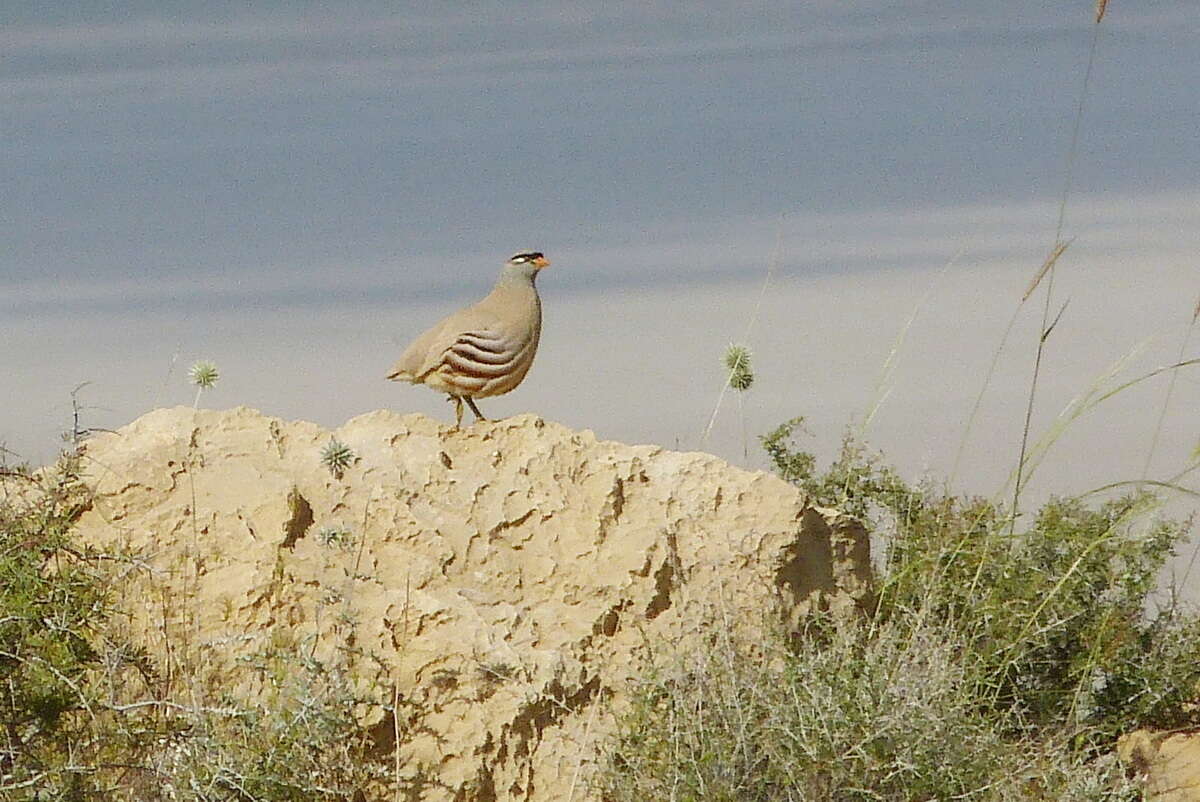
<point x="1167" y="764"/>
<point x="505" y="582"/>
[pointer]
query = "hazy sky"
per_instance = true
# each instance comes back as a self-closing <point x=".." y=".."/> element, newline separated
<point x="295" y="190"/>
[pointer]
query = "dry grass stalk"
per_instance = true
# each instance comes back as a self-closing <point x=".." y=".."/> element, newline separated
<point x="1057" y="251"/>
<point x="1101" y="6"/>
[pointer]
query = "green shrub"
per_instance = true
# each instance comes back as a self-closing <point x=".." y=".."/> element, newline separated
<point x="1061" y="612"/>
<point x="52" y="603"/>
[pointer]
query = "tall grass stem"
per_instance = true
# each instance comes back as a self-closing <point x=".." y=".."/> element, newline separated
<point x="1162" y="412"/>
<point x="1072" y="152"/>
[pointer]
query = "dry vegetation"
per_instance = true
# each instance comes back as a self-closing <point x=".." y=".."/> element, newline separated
<point x="998" y="665"/>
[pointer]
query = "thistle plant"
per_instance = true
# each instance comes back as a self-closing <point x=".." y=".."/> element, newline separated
<point x="337" y="457"/>
<point x="737" y="362"/>
<point x="204" y="375"/>
<point x="335" y="535"/>
<point x="741" y="377"/>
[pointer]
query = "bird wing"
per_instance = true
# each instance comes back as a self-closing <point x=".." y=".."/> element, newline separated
<point x="485" y="349"/>
<point x="472" y="342"/>
<point x="482" y="353"/>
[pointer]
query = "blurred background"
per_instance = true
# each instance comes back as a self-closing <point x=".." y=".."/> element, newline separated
<point x="295" y="190"/>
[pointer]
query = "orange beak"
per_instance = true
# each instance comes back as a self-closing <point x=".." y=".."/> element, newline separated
<point x="541" y="262"/>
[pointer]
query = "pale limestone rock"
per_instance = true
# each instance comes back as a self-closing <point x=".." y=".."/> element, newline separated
<point x="507" y="580"/>
<point x="1167" y="764"/>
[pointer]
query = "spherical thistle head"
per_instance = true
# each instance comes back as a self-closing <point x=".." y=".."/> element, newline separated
<point x="335" y="535"/>
<point x="337" y="457"/>
<point x="204" y="374"/>
<point x="737" y="362"/>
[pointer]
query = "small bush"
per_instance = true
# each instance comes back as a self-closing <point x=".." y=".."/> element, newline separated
<point x="52" y="602"/>
<point x="1061" y="612"/>
<point x="892" y="715"/>
<point x="298" y="741"/>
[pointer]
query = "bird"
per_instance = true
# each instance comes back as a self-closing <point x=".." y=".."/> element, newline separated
<point x="485" y="349"/>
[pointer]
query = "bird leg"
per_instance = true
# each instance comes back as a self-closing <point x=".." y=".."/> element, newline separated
<point x="457" y="399"/>
<point x="475" y="409"/>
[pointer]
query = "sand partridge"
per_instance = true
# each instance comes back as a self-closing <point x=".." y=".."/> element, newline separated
<point x="485" y="349"/>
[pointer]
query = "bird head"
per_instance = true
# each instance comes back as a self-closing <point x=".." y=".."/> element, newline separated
<point x="532" y="259"/>
<point x="523" y="266"/>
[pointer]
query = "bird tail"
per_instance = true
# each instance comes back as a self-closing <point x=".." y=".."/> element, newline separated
<point x="399" y="374"/>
